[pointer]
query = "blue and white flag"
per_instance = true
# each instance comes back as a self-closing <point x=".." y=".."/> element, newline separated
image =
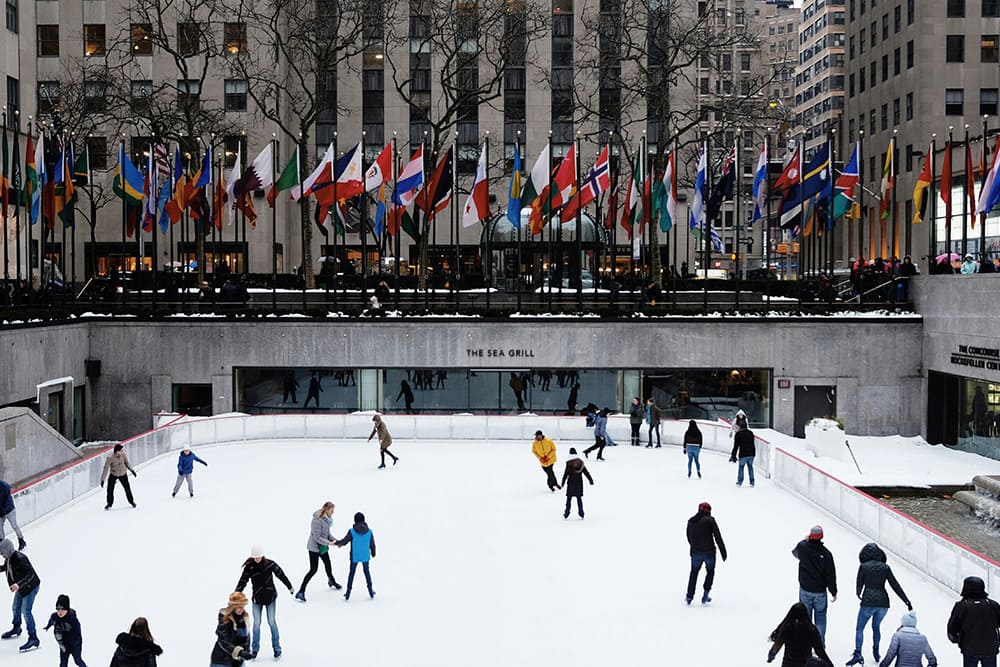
<point x="698" y="199"/>
<point x="760" y="186"/>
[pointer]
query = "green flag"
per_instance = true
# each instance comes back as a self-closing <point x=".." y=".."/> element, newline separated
<point x="288" y="179"/>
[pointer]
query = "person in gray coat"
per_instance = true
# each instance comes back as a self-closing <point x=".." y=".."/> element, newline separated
<point x="909" y="646"/>
<point x="318" y="545"/>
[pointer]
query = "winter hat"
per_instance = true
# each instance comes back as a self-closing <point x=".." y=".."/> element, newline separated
<point x="359" y="517"/>
<point x="909" y="620"/>
<point x="237" y="599"/>
<point x="256" y="551"/>
<point x="62" y="602"/>
<point x="572" y="450"/>
<point x="539" y="433"/>
<point x="972" y="587"/>
<point x="816" y="532"/>
<point x="705" y="507"/>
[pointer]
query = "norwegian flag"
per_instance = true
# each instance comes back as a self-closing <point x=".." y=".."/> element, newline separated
<point x="598" y="181"/>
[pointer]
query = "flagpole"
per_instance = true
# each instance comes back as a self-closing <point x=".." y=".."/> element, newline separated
<point x="579" y="228"/>
<point x="766" y="240"/>
<point x="28" y="206"/>
<point x="243" y="213"/>
<point x="488" y="282"/>
<point x="154" y="180"/>
<point x="18" y="184"/>
<point x="170" y="241"/>
<point x="334" y="222"/>
<point x="705" y="222"/>
<point x="932" y="199"/>
<point x="947" y="205"/>
<point x="860" y="199"/>
<point x="274" y="225"/>
<point x="965" y="196"/>
<point x="598" y="224"/>
<point x="456" y="270"/>
<point x="613" y="212"/>
<point x="894" y="252"/>
<point x="121" y="175"/>
<point x="214" y="216"/>
<point x="547" y="212"/>
<point x="800" y="269"/>
<point x="829" y="246"/>
<point x="363" y="211"/>
<point x="982" y="182"/>
<point x="674" y="224"/>
<point x="395" y="217"/>
<point x="517" y="230"/>
<point x="3" y="175"/>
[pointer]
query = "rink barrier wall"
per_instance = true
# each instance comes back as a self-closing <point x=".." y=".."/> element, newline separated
<point x="933" y="553"/>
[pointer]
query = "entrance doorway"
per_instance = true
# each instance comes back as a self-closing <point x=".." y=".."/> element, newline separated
<point x="813" y="401"/>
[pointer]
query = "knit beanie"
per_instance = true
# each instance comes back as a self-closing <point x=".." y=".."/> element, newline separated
<point x="62" y="602"/>
<point x="256" y="551"/>
<point x="909" y="620"/>
<point x="705" y="507"/>
<point x="237" y="599"/>
<point x="816" y="533"/>
<point x="572" y="450"/>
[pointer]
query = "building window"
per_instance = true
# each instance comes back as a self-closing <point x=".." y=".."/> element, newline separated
<point x="885" y="27"/>
<point x="861" y="80"/>
<point x="850" y="85"/>
<point x="874" y="29"/>
<point x="988" y="98"/>
<point x="909" y="55"/>
<point x="48" y="97"/>
<point x="897" y="19"/>
<point x="236" y="38"/>
<point x="48" y="40"/>
<point x="97" y="153"/>
<point x="988" y="48"/>
<point x="954" y="101"/>
<point x="94" y="98"/>
<point x="895" y="111"/>
<point x="233" y="145"/>
<point x="897" y="62"/>
<point x="13" y="23"/>
<point x="188" y="39"/>
<point x="885" y="67"/>
<point x="744" y="62"/>
<point x="956" y="9"/>
<point x="236" y="95"/>
<point x="909" y="106"/>
<point x="911" y="11"/>
<point x="188" y="92"/>
<point x="991" y="8"/>
<point x="142" y="39"/>
<point x="93" y="40"/>
<point x="861" y="41"/>
<point x="140" y="93"/>
<point x="885" y="117"/>
<point x="871" y="121"/>
<point x="955" y="49"/>
<point x="13" y="93"/>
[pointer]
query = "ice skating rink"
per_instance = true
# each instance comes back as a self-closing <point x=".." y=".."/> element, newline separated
<point x="475" y="564"/>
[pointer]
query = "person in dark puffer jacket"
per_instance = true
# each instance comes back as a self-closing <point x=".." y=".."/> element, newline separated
<point x="572" y="480"/>
<point x="703" y="535"/>
<point x="799" y="637"/>
<point x="973" y="624"/>
<point x="873" y="573"/>
<point x="66" y="630"/>
<point x="136" y="647"/>
<point x="232" y="636"/>
<point x="908" y="646"/>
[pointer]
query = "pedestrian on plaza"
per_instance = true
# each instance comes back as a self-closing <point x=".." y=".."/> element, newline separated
<point x="23" y="582"/>
<point x="908" y="646"/>
<point x="817" y="575"/>
<point x="572" y="479"/>
<point x="973" y="625"/>
<point x="636" y="416"/>
<point x="118" y="467"/>
<point x="136" y="647"/>
<point x="260" y="573"/>
<point x="799" y="637"/>
<point x="232" y="637"/>
<point x="544" y="450"/>
<point x="703" y="536"/>
<point x="600" y="434"/>
<point x="384" y="440"/>
<point x="969" y="266"/>
<point x="692" y="446"/>
<point x="873" y="573"/>
<point x="744" y="450"/>
<point x="652" y="417"/>
<point x="8" y="514"/>
<point x="740" y="420"/>
<point x="315" y="389"/>
<point x="362" y="541"/>
<point x="185" y="470"/>
<point x="66" y="632"/>
<point x="318" y="545"/>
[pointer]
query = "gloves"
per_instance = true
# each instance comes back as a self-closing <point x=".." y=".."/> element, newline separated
<point x="684" y="450"/>
<point x="732" y="459"/>
<point x="909" y="607"/>
<point x="770" y="657"/>
<point x="135" y="474"/>
<point x="102" y="483"/>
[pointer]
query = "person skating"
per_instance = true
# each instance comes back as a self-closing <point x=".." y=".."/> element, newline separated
<point x="799" y="637"/>
<point x="739" y="421"/>
<point x="703" y="536"/>
<point x="817" y="575"/>
<point x="572" y="479"/>
<point x="232" y="637"/>
<point x="652" y="418"/>
<point x="136" y="647"/>
<point x="318" y="545"/>
<point x="260" y="572"/>
<point x="973" y="625"/>
<point x="315" y="388"/>
<point x="384" y="440"/>
<point x="692" y="446"/>
<point x="362" y="541"/>
<point x="8" y="514"/>
<point x="118" y="467"/>
<point x="744" y="451"/>
<point x="23" y="582"/>
<point x="185" y="470"/>
<point x="544" y="450"/>
<point x="67" y="633"/>
<point x="636" y="416"/>
<point x="873" y="573"/>
<point x="908" y="646"/>
<point x="600" y="434"/>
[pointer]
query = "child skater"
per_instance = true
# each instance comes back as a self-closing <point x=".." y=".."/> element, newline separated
<point x="362" y="541"/>
<point x="185" y="468"/>
<point x="67" y="632"/>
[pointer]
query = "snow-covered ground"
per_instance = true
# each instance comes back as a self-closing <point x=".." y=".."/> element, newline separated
<point x="475" y="563"/>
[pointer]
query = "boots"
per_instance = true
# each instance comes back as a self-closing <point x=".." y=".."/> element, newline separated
<point x="21" y="544"/>
<point x="13" y="632"/>
<point x="30" y="644"/>
<point x="856" y="659"/>
<point x="332" y="583"/>
<point x="877" y="655"/>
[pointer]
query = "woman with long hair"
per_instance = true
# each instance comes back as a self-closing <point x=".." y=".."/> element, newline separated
<point x="799" y="637"/>
<point x="692" y="446"/>
<point x="136" y="647"/>
<point x="232" y="635"/>
<point x="318" y="545"/>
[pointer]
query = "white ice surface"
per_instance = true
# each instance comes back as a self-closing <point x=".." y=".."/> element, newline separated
<point x="475" y="564"/>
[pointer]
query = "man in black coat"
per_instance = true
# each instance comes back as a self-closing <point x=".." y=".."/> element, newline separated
<point x="745" y="448"/>
<point x="24" y="583"/>
<point x="572" y="480"/>
<point x="703" y="535"/>
<point x="973" y="624"/>
<point x="260" y="572"/>
<point x="817" y="575"/>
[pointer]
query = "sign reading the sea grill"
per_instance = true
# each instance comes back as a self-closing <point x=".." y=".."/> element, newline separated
<point x="496" y="352"/>
<point x="977" y="357"/>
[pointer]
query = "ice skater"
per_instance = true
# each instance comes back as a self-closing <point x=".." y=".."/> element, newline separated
<point x="318" y="545"/>
<point x="600" y="434"/>
<point x="66" y="630"/>
<point x="232" y="637"/>
<point x="8" y="514"/>
<point x="799" y="637"/>
<point x="362" y="541"/>
<point x="544" y="450"/>
<point x="136" y="647"/>
<point x="118" y="467"/>
<point x="739" y="421"/>
<point x="23" y="582"/>
<point x="908" y="645"/>
<point x="636" y="416"/>
<point x="572" y="479"/>
<point x="703" y="536"/>
<point x="260" y="572"/>
<point x="873" y="574"/>
<point x="315" y="388"/>
<point x="384" y="440"/>
<point x="692" y="446"/>
<point x="973" y="625"/>
<point x="817" y="575"/>
<point x="185" y="470"/>
<point x="744" y="450"/>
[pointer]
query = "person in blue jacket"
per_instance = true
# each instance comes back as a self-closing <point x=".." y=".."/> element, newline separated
<point x="362" y="542"/>
<point x="185" y="468"/>
<point x="67" y="632"/>
<point x="601" y="437"/>
<point x="8" y="514"/>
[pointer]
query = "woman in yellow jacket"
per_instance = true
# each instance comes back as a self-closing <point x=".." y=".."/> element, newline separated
<point x="544" y="450"/>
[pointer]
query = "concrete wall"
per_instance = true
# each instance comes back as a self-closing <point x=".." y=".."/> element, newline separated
<point x="30" y="446"/>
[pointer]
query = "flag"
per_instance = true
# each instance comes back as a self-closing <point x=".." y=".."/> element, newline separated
<point x="15" y="174"/>
<point x="924" y="181"/>
<point x="411" y="178"/>
<point x="668" y="214"/>
<point x="149" y="192"/>
<point x="597" y="181"/>
<point x="409" y="225"/>
<point x="36" y="179"/>
<point x="288" y="179"/>
<point x="477" y="206"/>
<point x="629" y="209"/>
<point x="887" y="184"/>
<point x="233" y="194"/>
<point x="221" y="194"/>
<point x="259" y="174"/>
<point x="698" y="197"/>
<point x="65" y="194"/>
<point x="321" y="214"/>
<point x="564" y="180"/>
<point x="789" y="181"/>
<point x="514" y="191"/>
<point x="175" y="207"/>
<point x="349" y="174"/>
<point x="970" y="182"/>
<point x="612" y="214"/>
<point x="535" y="192"/>
<point x="724" y="186"/>
<point x="394" y="217"/>
<point x="760" y="187"/>
<point x="204" y="175"/>
<point x="437" y="194"/>
<point x="650" y="202"/>
<point x="990" y="195"/>
<point x="844" y="198"/>
<point x="4" y="182"/>
<point x="380" y="210"/>
<point x="816" y="177"/>
<point x="323" y="172"/>
<point x="381" y="170"/>
<point x="81" y="168"/>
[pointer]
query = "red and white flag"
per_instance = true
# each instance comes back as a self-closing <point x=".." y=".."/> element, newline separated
<point x="477" y="206"/>
<point x="598" y="181"/>
<point x="381" y="170"/>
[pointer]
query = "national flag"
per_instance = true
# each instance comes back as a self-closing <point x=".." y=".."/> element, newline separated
<point x="175" y="207"/>
<point x="221" y="193"/>
<point x="816" y="177"/>
<point x="946" y="184"/>
<point x="597" y="181"/>
<point x="259" y="174"/>
<point x="381" y="170"/>
<point x="323" y="172"/>
<point x="888" y="181"/>
<point x="233" y="195"/>
<point x="698" y="197"/>
<point x="349" y="174"/>
<point x="410" y="225"/>
<point x="724" y="186"/>
<point x="844" y="197"/>
<point x="4" y="167"/>
<point x="612" y="213"/>
<point x="37" y="177"/>
<point x="650" y="202"/>
<point x="990" y="195"/>
<point x="409" y="179"/>
<point x="15" y="175"/>
<point x="380" y="209"/>
<point x="970" y="183"/>
<point x="668" y="214"/>
<point x="924" y="181"/>
<point x="321" y="216"/>
<point x="514" y="191"/>
<point x="760" y="186"/>
<point x="65" y="202"/>
<point x="394" y="216"/>
<point x="535" y="192"/>
<point x="790" y="183"/>
<point x="149" y="192"/>
<point x="204" y="175"/>
<point x="128" y="183"/>
<point x="631" y="205"/>
<point x="437" y="194"/>
<point x="81" y="168"/>
<point x="288" y="179"/>
<point x="162" y="158"/>
<point x="564" y="180"/>
<point x="477" y="206"/>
